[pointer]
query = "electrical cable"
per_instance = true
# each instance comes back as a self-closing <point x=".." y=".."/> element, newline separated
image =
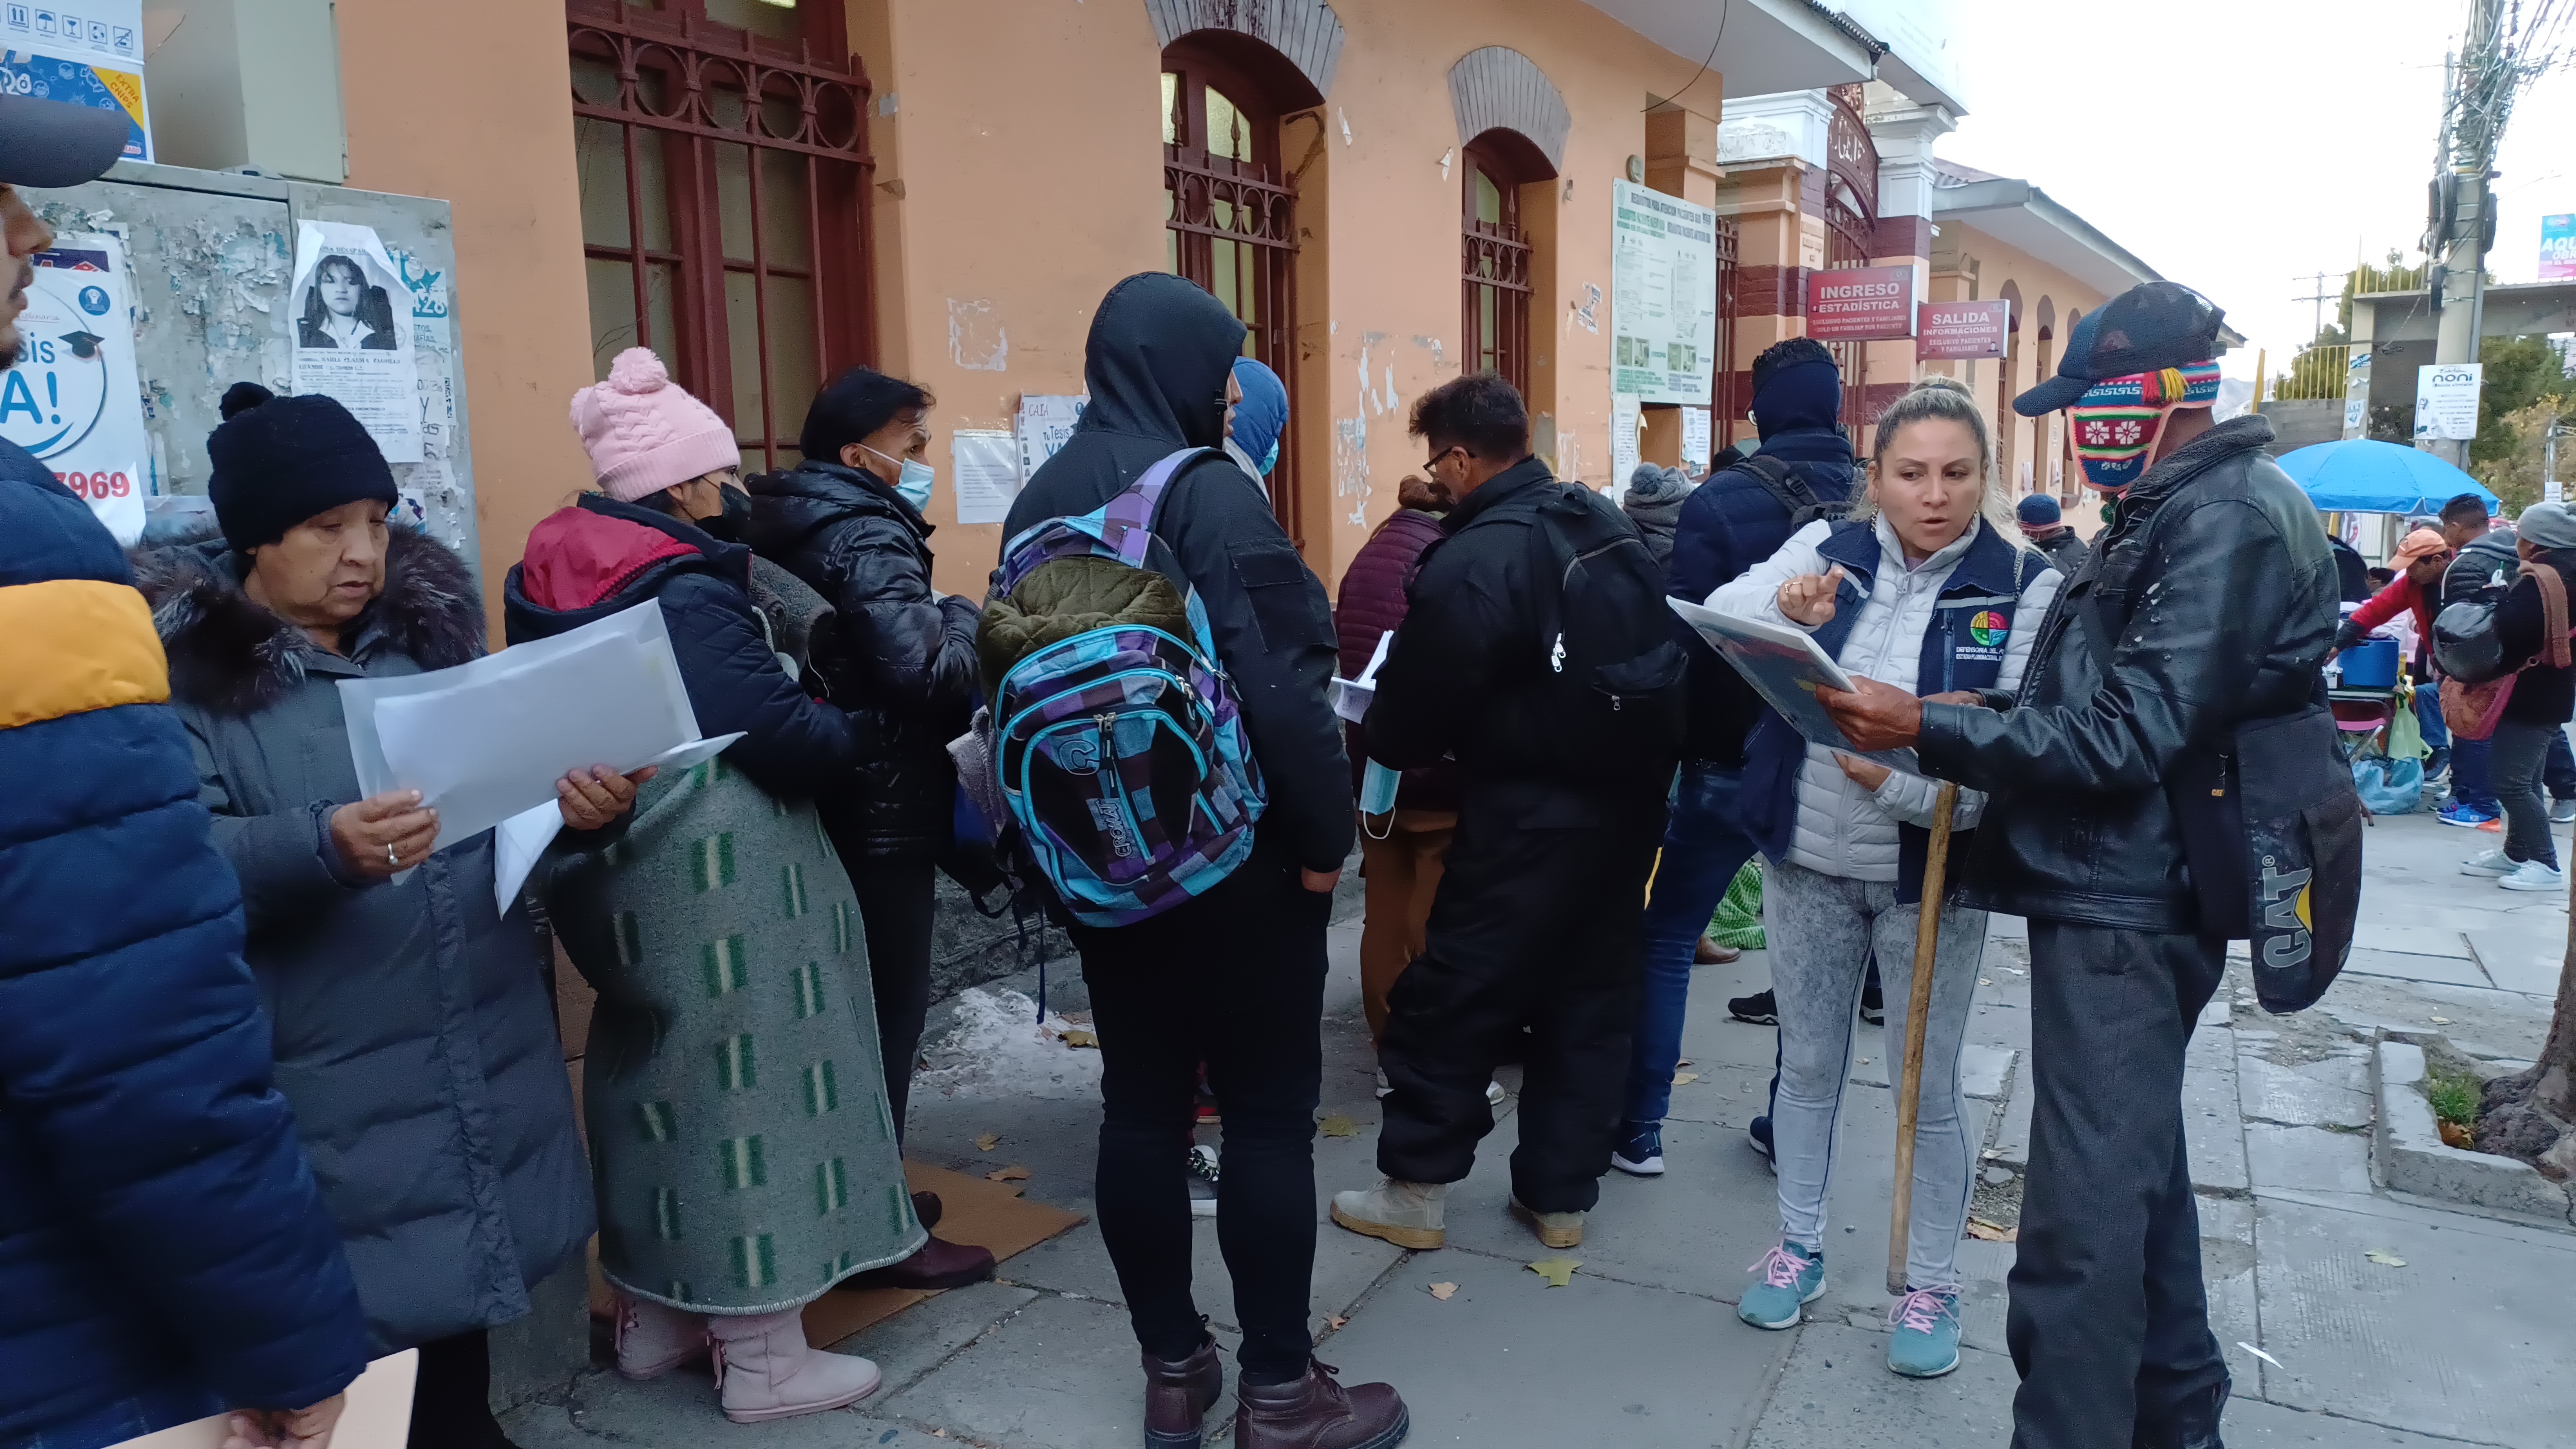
<point x="1723" y="12"/>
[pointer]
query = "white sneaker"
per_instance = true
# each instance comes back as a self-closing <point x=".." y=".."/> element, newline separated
<point x="1203" y="1180"/>
<point x="2531" y="875"/>
<point x="2489" y="863"/>
<point x="1495" y="1095"/>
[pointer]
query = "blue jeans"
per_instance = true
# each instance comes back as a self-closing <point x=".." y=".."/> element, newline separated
<point x="2437" y="736"/>
<point x="2471" y="782"/>
<point x="146" y="1413"/>
<point x="1704" y="847"/>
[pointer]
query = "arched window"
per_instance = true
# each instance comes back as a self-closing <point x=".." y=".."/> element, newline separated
<point x="1496" y="274"/>
<point x="2008" y="387"/>
<point x="723" y="158"/>
<point x="2071" y="470"/>
<point x="1231" y="215"/>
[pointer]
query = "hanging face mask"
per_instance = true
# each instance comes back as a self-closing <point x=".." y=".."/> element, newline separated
<point x="913" y="479"/>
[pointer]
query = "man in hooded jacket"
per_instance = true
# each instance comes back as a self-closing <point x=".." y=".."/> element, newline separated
<point x="1235" y="977"/>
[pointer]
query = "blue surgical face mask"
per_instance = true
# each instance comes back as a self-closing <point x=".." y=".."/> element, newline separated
<point x="1377" y="789"/>
<point x="912" y="481"/>
<point x="1270" y="460"/>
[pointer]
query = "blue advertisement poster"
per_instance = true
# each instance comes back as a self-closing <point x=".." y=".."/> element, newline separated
<point x="88" y="52"/>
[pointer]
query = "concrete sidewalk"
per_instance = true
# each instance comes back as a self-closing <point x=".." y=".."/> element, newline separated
<point x="2451" y="1343"/>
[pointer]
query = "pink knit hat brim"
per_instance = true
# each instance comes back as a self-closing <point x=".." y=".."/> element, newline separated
<point x="644" y="433"/>
<point x="675" y="462"/>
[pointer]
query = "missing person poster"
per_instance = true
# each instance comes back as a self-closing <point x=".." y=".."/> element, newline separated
<point x="74" y="401"/>
<point x="351" y="342"/>
<point x="1663" y="296"/>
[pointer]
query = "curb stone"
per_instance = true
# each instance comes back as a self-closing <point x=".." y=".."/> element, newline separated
<point x="2409" y="1155"/>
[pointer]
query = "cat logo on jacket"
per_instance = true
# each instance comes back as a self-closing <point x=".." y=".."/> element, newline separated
<point x="2287" y="919"/>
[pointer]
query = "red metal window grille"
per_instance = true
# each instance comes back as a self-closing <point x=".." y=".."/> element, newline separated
<point x="1727" y="404"/>
<point x="724" y="191"/>
<point x="1495" y="275"/>
<point x="1231" y="220"/>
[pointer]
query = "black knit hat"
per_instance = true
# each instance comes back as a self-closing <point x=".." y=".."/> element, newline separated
<point x="281" y="460"/>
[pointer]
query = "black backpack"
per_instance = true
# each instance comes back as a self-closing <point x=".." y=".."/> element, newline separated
<point x="1614" y="668"/>
<point x="1783" y="483"/>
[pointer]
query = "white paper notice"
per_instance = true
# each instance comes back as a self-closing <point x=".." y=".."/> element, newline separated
<point x="1624" y="418"/>
<point x="985" y="463"/>
<point x="1695" y="437"/>
<point x="350" y="341"/>
<point x="487" y="740"/>
<point x="1046" y="420"/>
<point x="73" y="400"/>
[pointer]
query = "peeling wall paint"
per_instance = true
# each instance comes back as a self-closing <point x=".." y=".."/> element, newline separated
<point x="1587" y="314"/>
<point x="977" y="341"/>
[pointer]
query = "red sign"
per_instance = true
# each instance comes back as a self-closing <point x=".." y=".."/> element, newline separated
<point x="1860" y="304"/>
<point x="1961" y="329"/>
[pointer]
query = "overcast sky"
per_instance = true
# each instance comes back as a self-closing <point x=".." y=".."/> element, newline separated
<point x="2242" y="148"/>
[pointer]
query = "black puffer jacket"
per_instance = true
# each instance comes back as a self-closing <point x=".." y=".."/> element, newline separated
<point x="588" y="562"/>
<point x="2229" y="622"/>
<point x="1155" y="365"/>
<point x="901" y="655"/>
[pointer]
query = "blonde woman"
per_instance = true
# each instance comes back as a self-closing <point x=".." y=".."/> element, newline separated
<point x="1928" y="586"/>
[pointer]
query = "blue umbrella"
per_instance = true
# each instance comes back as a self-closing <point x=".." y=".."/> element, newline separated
<point x="2361" y="475"/>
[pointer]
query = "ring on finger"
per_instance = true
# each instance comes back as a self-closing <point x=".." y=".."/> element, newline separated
<point x="391" y="858"/>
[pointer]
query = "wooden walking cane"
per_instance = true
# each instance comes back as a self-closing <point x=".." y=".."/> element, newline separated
<point x="1909" y="1100"/>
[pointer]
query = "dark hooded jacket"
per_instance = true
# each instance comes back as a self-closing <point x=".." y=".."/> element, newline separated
<point x="159" y="1229"/>
<point x="414" y="1030"/>
<point x="900" y="655"/>
<point x="1156" y="365"/>
<point x="589" y="561"/>
<point x="1727" y="525"/>
<point x="2230" y="620"/>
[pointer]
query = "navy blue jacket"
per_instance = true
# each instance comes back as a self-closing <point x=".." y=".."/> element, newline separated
<point x="159" y="1228"/>
<point x="1728" y="524"/>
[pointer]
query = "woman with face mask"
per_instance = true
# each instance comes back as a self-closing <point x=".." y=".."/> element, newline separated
<point x="1927" y="586"/>
<point x="744" y="1156"/>
<point x="849" y="523"/>
<point x="1256" y="417"/>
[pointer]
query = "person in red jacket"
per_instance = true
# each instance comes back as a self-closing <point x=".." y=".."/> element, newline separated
<point x="2419" y="562"/>
<point x="1401" y="854"/>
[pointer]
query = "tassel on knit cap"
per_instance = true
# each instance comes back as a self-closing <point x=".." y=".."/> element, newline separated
<point x="644" y="433"/>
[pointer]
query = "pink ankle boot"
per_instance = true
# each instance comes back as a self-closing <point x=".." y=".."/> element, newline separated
<point x="653" y="1339"/>
<point x="766" y="1370"/>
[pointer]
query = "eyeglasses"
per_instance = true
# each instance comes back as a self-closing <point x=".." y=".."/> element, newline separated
<point x="1427" y="463"/>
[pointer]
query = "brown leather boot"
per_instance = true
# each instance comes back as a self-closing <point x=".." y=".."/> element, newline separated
<point x="939" y="1264"/>
<point x="1178" y="1393"/>
<point x="1316" y="1412"/>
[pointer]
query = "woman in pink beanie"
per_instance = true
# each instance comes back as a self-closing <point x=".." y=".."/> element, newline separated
<point x="741" y="1141"/>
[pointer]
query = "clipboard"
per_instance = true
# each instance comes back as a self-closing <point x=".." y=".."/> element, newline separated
<point x="378" y="1415"/>
<point x="1786" y="667"/>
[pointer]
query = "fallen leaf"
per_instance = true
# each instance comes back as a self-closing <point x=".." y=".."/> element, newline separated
<point x="1559" y="1272"/>
<point x="1990" y="1154"/>
<point x="1444" y="1291"/>
<point x="988" y="1141"/>
<point x="1683" y="1062"/>
<point x="1985" y="981"/>
<point x="2384" y="1258"/>
<point x="1864" y="1061"/>
<point x="2440" y="1020"/>
<point x="1336" y="1320"/>
<point x="1338" y="1125"/>
<point x="2258" y="1353"/>
<point x="1684" y="1079"/>
<point x="1986" y="1232"/>
<point x="2455" y="1135"/>
<point x="1007" y="1174"/>
<point x="1079" y="1038"/>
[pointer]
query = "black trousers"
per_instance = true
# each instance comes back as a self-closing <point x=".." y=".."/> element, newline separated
<point x="1234" y="979"/>
<point x="897" y="899"/>
<point x="2109" y="1323"/>
<point x="1538" y="926"/>
<point x="451" y="1400"/>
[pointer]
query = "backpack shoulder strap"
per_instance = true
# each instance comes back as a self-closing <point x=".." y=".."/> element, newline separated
<point x="2553" y="603"/>
<point x="1782" y="482"/>
<point x="1127" y="521"/>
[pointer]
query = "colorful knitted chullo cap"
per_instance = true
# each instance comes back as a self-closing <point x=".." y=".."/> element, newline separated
<point x="2116" y="420"/>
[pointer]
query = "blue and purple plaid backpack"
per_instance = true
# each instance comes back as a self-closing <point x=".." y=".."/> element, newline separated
<point x="1120" y="748"/>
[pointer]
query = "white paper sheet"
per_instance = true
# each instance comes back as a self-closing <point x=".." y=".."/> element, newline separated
<point x="985" y="466"/>
<point x="1351" y="697"/>
<point x="378" y="1415"/>
<point x="487" y="740"/>
<point x="519" y="840"/>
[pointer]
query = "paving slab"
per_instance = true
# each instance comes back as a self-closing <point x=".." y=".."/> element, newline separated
<point x="2409" y="939"/>
<point x="2212" y="1123"/>
<point x="1837" y="1391"/>
<point x="912" y="1343"/>
<point x="2331" y="1093"/>
<point x="680" y="1411"/>
<point x="2522" y="959"/>
<point x="2253" y="1424"/>
<point x="2311" y="1159"/>
<point x="2456" y="1342"/>
<point x="1510" y="1363"/>
<point x="1061" y="1374"/>
<point x="2459" y="970"/>
<point x="2012" y="1137"/>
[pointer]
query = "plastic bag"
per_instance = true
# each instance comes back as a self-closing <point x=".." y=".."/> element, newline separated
<point x="1738" y="921"/>
<point x="2406" y="730"/>
<point x="2389" y="787"/>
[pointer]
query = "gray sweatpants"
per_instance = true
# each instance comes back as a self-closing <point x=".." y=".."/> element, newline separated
<point x="1822" y="930"/>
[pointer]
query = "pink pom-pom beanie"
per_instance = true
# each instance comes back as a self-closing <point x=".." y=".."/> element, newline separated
<point x="644" y="433"/>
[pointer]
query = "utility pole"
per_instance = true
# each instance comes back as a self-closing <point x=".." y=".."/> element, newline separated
<point x="2462" y="217"/>
<point x="2321" y="298"/>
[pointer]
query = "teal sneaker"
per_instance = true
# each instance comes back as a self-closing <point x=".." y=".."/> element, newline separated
<point x="1926" y="1344"/>
<point x="1789" y="1277"/>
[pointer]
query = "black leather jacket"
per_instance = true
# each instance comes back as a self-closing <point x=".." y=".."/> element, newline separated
<point x="2230" y="621"/>
<point x="899" y="654"/>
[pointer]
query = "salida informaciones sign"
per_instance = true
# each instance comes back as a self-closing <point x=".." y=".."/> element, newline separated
<point x="1860" y="304"/>
<point x="1961" y="329"/>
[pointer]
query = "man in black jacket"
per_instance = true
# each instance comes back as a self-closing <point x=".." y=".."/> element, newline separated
<point x="1235" y="977"/>
<point x="2220" y="592"/>
<point x="1536" y="920"/>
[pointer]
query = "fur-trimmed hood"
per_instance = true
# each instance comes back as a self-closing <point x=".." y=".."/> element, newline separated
<point x="234" y="657"/>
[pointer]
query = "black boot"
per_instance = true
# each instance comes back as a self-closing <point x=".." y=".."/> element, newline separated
<point x="1178" y="1393"/>
<point x="1316" y="1412"/>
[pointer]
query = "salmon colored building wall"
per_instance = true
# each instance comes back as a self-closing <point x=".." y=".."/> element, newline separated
<point x="469" y="101"/>
<point x="1996" y="265"/>
<point x="1020" y="175"/>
